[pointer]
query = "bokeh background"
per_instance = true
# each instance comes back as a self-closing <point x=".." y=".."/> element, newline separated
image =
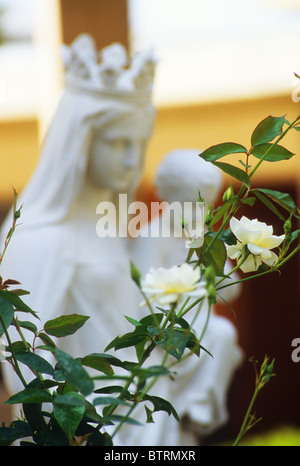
<point x="223" y="67"/>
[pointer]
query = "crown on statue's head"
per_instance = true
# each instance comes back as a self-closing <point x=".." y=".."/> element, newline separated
<point x="108" y="72"/>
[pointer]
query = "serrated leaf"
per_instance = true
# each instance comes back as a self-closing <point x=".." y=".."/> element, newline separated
<point x="160" y="404"/>
<point x="267" y="130"/>
<point x="97" y="362"/>
<point x="268" y="203"/>
<point x="28" y="326"/>
<point x="218" y="151"/>
<point x="282" y="199"/>
<point x="47" y="340"/>
<point x="172" y="340"/>
<point x="16" y="430"/>
<point x="149" y="412"/>
<point x="35" y="362"/>
<point x="128" y="340"/>
<point x="73" y="372"/>
<point x="17" y="302"/>
<point x="30" y="395"/>
<point x="233" y="171"/>
<point x="276" y="153"/>
<point x="65" y="325"/>
<point x="68" y="411"/>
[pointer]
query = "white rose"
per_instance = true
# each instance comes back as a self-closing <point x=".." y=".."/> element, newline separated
<point x="166" y="286"/>
<point x="258" y="238"/>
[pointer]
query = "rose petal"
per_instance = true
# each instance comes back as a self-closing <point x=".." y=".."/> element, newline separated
<point x="234" y="251"/>
<point x="271" y="242"/>
<point x="255" y="249"/>
<point x="271" y="260"/>
<point x="251" y="264"/>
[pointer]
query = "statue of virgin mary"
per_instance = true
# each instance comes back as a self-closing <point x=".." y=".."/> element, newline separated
<point x="93" y="152"/>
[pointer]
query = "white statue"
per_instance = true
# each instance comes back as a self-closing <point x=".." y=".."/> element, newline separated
<point x="93" y="152"/>
<point x="200" y="392"/>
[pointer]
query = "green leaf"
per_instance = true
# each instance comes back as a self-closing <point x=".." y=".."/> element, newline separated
<point x="221" y="211"/>
<point x="47" y="340"/>
<point x="16" y="430"/>
<point x="16" y="302"/>
<point x="111" y="360"/>
<point x="173" y="340"/>
<point x="268" y="203"/>
<point x="129" y="339"/>
<point x="6" y="313"/>
<point x="294" y="235"/>
<point x="267" y="130"/>
<point x="112" y="389"/>
<point x="282" y="199"/>
<point x="18" y="346"/>
<point x="97" y="362"/>
<point x="73" y="372"/>
<point x="275" y="153"/>
<point x="235" y="172"/>
<point x="28" y="326"/>
<point x="30" y="395"/>
<point x="133" y="321"/>
<point x="249" y="201"/>
<point x="152" y="319"/>
<point x="215" y="256"/>
<point x="149" y="412"/>
<point x="218" y="151"/>
<point x="226" y="235"/>
<point x="68" y="411"/>
<point x="35" y="362"/>
<point x="161" y="404"/>
<point x="65" y="325"/>
<point x="109" y="400"/>
<point x="33" y="412"/>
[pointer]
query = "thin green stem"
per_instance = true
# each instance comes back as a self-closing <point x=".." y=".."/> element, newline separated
<point x="15" y="361"/>
<point x="206" y="323"/>
<point x="245" y="426"/>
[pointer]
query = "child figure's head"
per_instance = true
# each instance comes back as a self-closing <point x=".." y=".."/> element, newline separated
<point x="182" y="175"/>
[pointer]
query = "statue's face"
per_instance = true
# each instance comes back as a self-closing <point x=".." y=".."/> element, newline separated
<point x="117" y="152"/>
